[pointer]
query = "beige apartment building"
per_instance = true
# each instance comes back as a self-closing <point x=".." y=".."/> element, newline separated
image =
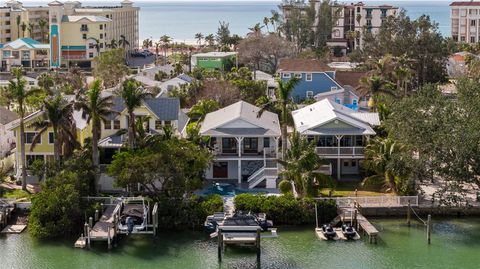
<point x="465" y="18"/>
<point x="350" y="20"/>
<point x="13" y="15"/>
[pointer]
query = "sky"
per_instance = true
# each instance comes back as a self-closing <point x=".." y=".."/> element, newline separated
<point x="117" y="1"/>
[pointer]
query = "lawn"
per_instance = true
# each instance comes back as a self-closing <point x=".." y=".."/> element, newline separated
<point x="13" y="193"/>
<point x="348" y="189"/>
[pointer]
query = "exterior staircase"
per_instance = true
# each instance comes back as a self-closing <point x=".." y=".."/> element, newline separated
<point x="268" y="172"/>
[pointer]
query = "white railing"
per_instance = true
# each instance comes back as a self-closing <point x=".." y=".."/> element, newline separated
<point x="325" y="169"/>
<point x="374" y="201"/>
<point x="340" y="150"/>
<point x="260" y="175"/>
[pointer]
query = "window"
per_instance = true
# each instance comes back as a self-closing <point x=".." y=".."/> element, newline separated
<point x="158" y="125"/>
<point x="15" y="54"/>
<point x="90" y="55"/>
<point x="346" y="141"/>
<point x="345" y="164"/>
<point x="266" y="142"/>
<point x="107" y="124"/>
<point x="462" y="38"/>
<point x="101" y="45"/>
<point x="167" y="123"/>
<point x="359" y="141"/>
<point x="250" y="145"/>
<point x="101" y="36"/>
<point x="473" y="22"/>
<point x="91" y="46"/>
<point x="472" y="39"/>
<point x="25" y="54"/>
<point x="286" y="75"/>
<point x="229" y="145"/>
<point x="308" y="77"/>
<point x="116" y="124"/>
<point x="298" y="75"/>
<point x="31" y="158"/>
<point x="327" y="141"/>
<point x="84" y="36"/>
<point x="29" y="138"/>
<point x="101" y="26"/>
<point x="51" y="138"/>
<point x="353" y="163"/>
<point x="7" y="54"/>
<point x="369" y="22"/>
<point x="333" y="88"/>
<point x="309" y="94"/>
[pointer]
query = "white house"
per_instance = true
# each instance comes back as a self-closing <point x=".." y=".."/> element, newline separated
<point x="244" y="144"/>
<point x="339" y="132"/>
<point x="7" y="137"/>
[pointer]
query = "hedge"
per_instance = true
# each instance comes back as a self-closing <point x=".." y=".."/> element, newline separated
<point x="285" y="209"/>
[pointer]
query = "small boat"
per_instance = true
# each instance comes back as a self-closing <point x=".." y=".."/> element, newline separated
<point x="212" y="221"/>
<point x="348" y="231"/>
<point x="260" y="219"/>
<point x="133" y="216"/>
<point x="328" y="232"/>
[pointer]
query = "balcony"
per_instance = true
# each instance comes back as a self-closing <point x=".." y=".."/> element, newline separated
<point x="340" y="151"/>
<point x="75" y="57"/>
<point x="232" y="153"/>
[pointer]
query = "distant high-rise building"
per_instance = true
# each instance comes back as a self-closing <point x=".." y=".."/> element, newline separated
<point x="465" y="18"/>
<point x="350" y="20"/>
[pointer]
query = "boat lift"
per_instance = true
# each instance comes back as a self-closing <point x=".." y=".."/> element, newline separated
<point x="106" y="228"/>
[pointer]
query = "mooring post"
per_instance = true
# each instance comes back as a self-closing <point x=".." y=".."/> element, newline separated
<point x="90" y="222"/>
<point x="220" y="238"/>
<point x="87" y="235"/>
<point x="258" y="245"/>
<point x="108" y="239"/>
<point x="355" y="222"/>
<point x="96" y="215"/>
<point x="101" y="208"/>
<point x="408" y="214"/>
<point x="429" y="228"/>
<point x="316" y="215"/>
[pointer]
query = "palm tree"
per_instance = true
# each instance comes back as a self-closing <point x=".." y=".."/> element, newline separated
<point x="157" y="49"/>
<point x="19" y="19"/>
<point x="19" y="94"/>
<point x="210" y="39"/>
<point x="95" y="108"/>
<point x="301" y="163"/>
<point x="351" y="36"/>
<point x="374" y="86"/>
<point x="23" y="26"/>
<point x="274" y="19"/>
<point x="147" y="43"/>
<point x="123" y="42"/>
<point x="284" y="104"/>
<point x="202" y="108"/>
<point x="42" y="23"/>
<point x="133" y="95"/>
<point x="165" y="39"/>
<point x="199" y="38"/>
<point x="256" y="29"/>
<point x="58" y="115"/>
<point x="380" y="154"/>
<point x="113" y="44"/>
<point x="266" y="21"/>
<point x="96" y="45"/>
<point x="31" y="27"/>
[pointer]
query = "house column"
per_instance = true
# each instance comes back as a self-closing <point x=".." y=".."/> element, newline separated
<point x="339" y="169"/>
<point x="239" y="145"/>
<point x="277" y="142"/>
<point x="239" y="171"/>
<point x="339" y="137"/>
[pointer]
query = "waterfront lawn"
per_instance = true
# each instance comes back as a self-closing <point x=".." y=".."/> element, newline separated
<point x="13" y="193"/>
<point x="348" y="189"/>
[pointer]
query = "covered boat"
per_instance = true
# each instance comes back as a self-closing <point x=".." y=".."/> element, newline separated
<point x="348" y="231"/>
<point x="133" y="216"/>
<point x="328" y="232"/>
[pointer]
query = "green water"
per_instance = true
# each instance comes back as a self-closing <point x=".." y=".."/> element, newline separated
<point x="455" y="244"/>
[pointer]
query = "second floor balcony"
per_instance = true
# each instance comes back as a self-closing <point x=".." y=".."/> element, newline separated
<point x="244" y="147"/>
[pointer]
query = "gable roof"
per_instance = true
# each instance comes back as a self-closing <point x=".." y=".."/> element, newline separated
<point x="164" y="108"/>
<point x="322" y="112"/>
<point x="305" y="65"/>
<point x="350" y="78"/>
<point x="26" y="42"/>
<point x="267" y="124"/>
<point x="465" y="3"/>
<point x="7" y="116"/>
<point x="66" y="18"/>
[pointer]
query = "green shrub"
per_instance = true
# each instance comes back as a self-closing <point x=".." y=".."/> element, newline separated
<point x="175" y="213"/>
<point x="285" y="209"/>
<point x="285" y="186"/>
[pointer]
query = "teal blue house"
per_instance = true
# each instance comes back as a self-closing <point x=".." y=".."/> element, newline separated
<point x="315" y="77"/>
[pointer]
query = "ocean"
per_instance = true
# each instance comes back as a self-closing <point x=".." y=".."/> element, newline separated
<point x="181" y="20"/>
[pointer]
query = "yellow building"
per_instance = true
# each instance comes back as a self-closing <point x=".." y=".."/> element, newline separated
<point x="159" y="111"/>
<point x="24" y="52"/>
<point x="78" y="34"/>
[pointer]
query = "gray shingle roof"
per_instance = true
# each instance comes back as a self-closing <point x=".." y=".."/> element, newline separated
<point x="164" y="108"/>
<point x="7" y="116"/>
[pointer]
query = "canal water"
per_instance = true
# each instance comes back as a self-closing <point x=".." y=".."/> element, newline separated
<point x="455" y="244"/>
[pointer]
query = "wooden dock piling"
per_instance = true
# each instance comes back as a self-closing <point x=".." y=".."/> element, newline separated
<point x="429" y="228"/>
<point x="220" y="244"/>
<point x="257" y="244"/>
<point x="408" y="214"/>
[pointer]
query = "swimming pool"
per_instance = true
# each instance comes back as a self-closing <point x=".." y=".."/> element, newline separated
<point x="227" y="189"/>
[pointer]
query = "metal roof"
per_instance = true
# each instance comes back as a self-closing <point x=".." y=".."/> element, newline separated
<point x="215" y="122"/>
